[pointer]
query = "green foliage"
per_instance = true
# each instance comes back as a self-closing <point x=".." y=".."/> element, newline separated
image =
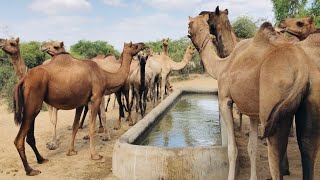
<point x="177" y="49"/>
<point x="315" y="11"/>
<point x="284" y="8"/>
<point x="32" y="54"/>
<point x="88" y="49"/>
<point x="244" y="27"/>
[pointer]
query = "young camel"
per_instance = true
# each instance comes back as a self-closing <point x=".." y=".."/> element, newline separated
<point x="53" y="48"/>
<point x="52" y="83"/>
<point x="11" y="47"/>
<point x="140" y="81"/>
<point x="168" y="65"/>
<point x="244" y="79"/>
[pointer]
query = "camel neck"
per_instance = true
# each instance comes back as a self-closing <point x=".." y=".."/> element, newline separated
<point x="165" y="50"/>
<point x="114" y="80"/>
<point x="213" y="64"/>
<point x="18" y="65"/>
<point x="183" y="63"/>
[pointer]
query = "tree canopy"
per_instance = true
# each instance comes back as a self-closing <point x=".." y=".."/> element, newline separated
<point x="244" y="27"/>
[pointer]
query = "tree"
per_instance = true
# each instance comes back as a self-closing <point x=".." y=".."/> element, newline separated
<point x="244" y="27"/>
<point x="32" y="55"/>
<point x="288" y="8"/>
<point x="89" y="49"/>
<point x="315" y="11"/>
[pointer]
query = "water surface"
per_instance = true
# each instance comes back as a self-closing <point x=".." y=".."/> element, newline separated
<point x="192" y="121"/>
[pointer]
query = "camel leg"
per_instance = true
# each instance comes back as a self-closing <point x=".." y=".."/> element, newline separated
<point x="162" y="87"/>
<point x="131" y="123"/>
<point x="53" y="118"/>
<point x="121" y="113"/>
<point x="32" y="142"/>
<point x="104" y="127"/>
<point x="252" y="147"/>
<point x="109" y="97"/>
<point x="226" y="111"/>
<point x="285" y="165"/>
<point x="308" y="136"/>
<point x="101" y="129"/>
<point x="75" y="127"/>
<point x="114" y="101"/>
<point x="277" y="146"/>
<point x="85" y="111"/>
<point x="141" y="103"/>
<point x="126" y="95"/>
<point x="94" y="106"/>
<point x="145" y="100"/>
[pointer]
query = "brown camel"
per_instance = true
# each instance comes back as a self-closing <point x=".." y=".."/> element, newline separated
<point x="52" y="83"/>
<point x="11" y="47"/>
<point x="244" y="79"/>
<point x="165" y="44"/>
<point x="53" y="48"/>
<point x="168" y="65"/>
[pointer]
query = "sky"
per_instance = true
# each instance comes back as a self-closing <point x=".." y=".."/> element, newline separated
<point x="114" y="21"/>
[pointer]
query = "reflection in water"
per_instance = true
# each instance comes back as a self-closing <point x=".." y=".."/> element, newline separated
<point x="192" y="121"/>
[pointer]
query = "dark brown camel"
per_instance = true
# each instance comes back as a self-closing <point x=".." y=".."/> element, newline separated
<point x="65" y="83"/>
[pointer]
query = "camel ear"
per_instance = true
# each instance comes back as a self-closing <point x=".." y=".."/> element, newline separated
<point x="227" y="11"/>
<point x="191" y="19"/>
<point x="206" y="17"/>
<point x="311" y="19"/>
<point x="17" y="40"/>
<point x="217" y="11"/>
<point x="61" y="44"/>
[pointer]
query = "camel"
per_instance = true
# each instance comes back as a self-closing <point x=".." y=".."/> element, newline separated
<point x="53" y="48"/>
<point x="221" y="28"/>
<point x="140" y="81"/>
<point x="168" y="65"/>
<point x="11" y="47"/>
<point x="52" y="83"/>
<point x="165" y="43"/>
<point x="300" y="27"/>
<point x="244" y="79"/>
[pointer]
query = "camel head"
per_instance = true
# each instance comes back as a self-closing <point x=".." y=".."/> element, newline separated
<point x="165" y="41"/>
<point x="143" y="57"/>
<point x="133" y="49"/>
<point x="10" y="46"/>
<point x="199" y="32"/>
<point x="190" y="50"/>
<point x="221" y="28"/>
<point x="299" y="27"/>
<point x="53" y="48"/>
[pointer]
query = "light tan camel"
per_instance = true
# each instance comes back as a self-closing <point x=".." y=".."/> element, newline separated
<point x="62" y="74"/>
<point x="165" y="44"/>
<point x="298" y="27"/>
<point x="244" y="79"/>
<point x="168" y="65"/>
<point x="11" y="47"/>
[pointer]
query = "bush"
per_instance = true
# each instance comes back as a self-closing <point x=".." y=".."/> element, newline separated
<point x="88" y="49"/>
<point x="244" y="27"/>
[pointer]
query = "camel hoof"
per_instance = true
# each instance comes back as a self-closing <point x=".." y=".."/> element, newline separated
<point x="42" y="161"/>
<point x="117" y="127"/>
<point x="106" y="139"/>
<point x="52" y="145"/>
<point x="101" y="130"/>
<point x="96" y="157"/>
<point x="87" y="137"/>
<point x="33" y="172"/>
<point x="131" y="124"/>
<point x="286" y="173"/>
<point x="72" y="153"/>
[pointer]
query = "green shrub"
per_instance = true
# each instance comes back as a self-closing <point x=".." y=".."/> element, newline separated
<point x="244" y="27"/>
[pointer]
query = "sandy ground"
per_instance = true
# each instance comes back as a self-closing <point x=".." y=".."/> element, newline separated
<point x="80" y="166"/>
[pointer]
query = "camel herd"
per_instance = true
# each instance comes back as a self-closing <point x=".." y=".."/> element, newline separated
<point x="272" y="78"/>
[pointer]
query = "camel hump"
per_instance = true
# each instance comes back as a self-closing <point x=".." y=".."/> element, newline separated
<point x="266" y="25"/>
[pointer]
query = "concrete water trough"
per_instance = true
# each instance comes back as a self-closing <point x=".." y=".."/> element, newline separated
<point x="186" y="159"/>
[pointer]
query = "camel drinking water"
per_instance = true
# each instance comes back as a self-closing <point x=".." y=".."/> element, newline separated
<point x="244" y="79"/>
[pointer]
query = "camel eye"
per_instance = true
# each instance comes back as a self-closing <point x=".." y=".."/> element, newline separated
<point x="12" y="44"/>
<point x="300" y="24"/>
<point x="56" y="47"/>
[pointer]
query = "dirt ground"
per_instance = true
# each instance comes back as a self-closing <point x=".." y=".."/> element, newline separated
<point x="80" y="166"/>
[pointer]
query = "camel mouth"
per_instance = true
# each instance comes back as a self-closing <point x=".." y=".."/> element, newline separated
<point x="280" y="29"/>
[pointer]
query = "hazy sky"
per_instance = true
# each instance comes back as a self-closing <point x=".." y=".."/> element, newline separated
<point x="114" y="21"/>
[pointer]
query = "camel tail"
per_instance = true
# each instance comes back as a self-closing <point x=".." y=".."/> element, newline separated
<point x="287" y="105"/>
<point x="18" y="102"/>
